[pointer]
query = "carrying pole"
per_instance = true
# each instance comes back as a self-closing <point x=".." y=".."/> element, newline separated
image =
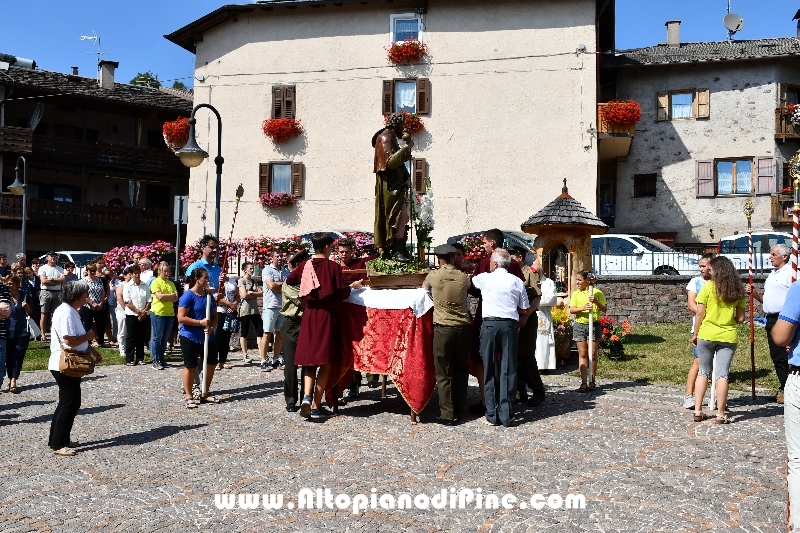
<point x="748" y="212"/>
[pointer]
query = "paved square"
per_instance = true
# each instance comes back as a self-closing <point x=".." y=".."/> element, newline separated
<point x="148" y="464"/>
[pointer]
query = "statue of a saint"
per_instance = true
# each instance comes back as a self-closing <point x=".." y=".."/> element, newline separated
<point x="391" y="188"/>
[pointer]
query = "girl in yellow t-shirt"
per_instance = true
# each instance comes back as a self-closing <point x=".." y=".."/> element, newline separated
<point x="580" y="303"/>
<point x="720" y="306"/>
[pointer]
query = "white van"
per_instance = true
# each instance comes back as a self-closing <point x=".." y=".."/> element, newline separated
<point x="734" y="247"/>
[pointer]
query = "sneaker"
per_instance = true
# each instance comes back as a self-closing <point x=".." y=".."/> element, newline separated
<point x="291" y="407"/>
<point x="688" y="402"/>
<point x="280" y="360"/>
<point x="163" y="366"/>
<point x="275" y="363"/>
<point x="156" y="365"/>
<point x="341" y="401"/>
<point x="352" y="394"/>
<point x="265" y="366"/>
<point x="321" y="412"/>
<point x="305" y="407"/>
<point x="246" y="356"/>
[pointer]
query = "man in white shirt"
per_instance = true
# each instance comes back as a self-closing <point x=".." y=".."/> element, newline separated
<point x="776" y="287"/>
<point x="52" y="277"/>
<point x="505" y="307"/>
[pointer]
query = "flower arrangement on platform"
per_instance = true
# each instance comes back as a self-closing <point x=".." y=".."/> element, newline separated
<point x="278" y="199"/>
<point x="176" y="133"/>
<point x="281" y="129"/>
<point x="414" y="124"/>
<point x="258" y="249"/>
<point x="613" y="335"/>
<point x="361" y="242"/>
<point x="118" y="258"/>
<point x="192" y="252"/>
<point x="473" y="248"/>
<point x="621" y="112"/>
<point x="562" y="331"/>
<point x="405" y="52"/>
<point x="423" y="215"/>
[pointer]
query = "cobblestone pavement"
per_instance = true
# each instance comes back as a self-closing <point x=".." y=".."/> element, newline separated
<point x="148" y="464"/>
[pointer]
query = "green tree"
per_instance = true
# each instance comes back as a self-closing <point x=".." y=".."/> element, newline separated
<point x="148" y="79"/>
<point x="177" y="84"/>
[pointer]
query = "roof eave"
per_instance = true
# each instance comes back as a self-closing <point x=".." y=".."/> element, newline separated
<point x="703" y="61"/>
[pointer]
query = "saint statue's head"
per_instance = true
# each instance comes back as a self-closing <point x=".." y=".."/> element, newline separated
<point x="397" y="121"/>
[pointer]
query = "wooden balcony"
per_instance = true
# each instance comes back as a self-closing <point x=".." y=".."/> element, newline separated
<point x="16" y="140"/>
<point x="49" y="213"/>
<point x="785" y="129"/>
<point x="781" y="209"/>
<point x="101" y="158"/>
<point x="614" y="140"/>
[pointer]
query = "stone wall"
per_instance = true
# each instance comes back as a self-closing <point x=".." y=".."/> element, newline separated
<point x="653" y="299"/>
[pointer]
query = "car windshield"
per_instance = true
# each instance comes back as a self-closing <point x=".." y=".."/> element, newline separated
<point x="651" y="245"/>
<point x="81" y="260"/>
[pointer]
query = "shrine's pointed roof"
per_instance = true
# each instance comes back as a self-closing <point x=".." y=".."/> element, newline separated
<point x="564" y="211"/>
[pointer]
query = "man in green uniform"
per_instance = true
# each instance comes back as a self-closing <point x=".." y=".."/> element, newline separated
<point x="527" y="369"/>
<point x="391" y="188"/>
<point x="451" y="334"/>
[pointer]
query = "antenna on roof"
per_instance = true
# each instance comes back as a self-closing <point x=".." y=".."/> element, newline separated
<point x="732" y="22"/>
<point x="96" y="39"/>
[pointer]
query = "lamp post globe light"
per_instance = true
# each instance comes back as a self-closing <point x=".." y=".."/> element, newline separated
<point x="192" y="155"/>
<point x="20" y="188"/>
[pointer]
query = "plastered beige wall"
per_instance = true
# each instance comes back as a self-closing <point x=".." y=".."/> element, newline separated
<point x="501" y="135"/>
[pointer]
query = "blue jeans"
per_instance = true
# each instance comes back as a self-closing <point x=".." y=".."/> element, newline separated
<point x="161" y="327"/>
<point x="500" y="377"/>
<point x="15" y="353"/>
<point x="2" y="357"/>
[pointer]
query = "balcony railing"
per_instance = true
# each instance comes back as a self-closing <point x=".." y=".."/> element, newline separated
<point x="87" y="217"/>
<point x="121" y="161"/>
<point x="605" y="127"/>
<point x="784" y="129"/>
<point x="782" y="209"/>
<point x="16" y="140"/>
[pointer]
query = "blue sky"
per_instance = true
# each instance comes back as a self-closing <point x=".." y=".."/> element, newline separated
<point x="131" y="32"/>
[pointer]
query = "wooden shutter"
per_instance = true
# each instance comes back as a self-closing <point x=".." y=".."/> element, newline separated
<point x="388" y="97"/>
<point x="765" y="175"/>
<point x="781" y="95"/>
<point x="423" y="96"/>
<point x="419" y="170"/>
<point x="702" y="98"/>
<point x="297" y="179"/>
<point x="289" y="101"/>
<point x="704" y="171"/>
<point x="263" y="179"/>
<point x="662" y="106"/>
<point x="277" y="101"/>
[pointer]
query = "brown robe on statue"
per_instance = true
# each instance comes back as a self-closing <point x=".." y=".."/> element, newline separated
<point x="391" y="185"/>
<point x="319" y="342"/>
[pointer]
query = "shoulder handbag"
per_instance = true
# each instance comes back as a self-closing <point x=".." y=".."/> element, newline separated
<point x="73" y="363"/>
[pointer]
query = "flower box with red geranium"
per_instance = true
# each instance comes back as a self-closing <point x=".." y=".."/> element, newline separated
<point x="406" y="52"/>
<point x="278" y="199"/>
<point x="414" y="124"/>
<point x="282" y="129"/>
<point x="176" y="133"/>
<point x="618" y="116"/>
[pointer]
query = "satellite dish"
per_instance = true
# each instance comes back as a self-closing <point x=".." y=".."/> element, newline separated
<point x="733" y="22"/>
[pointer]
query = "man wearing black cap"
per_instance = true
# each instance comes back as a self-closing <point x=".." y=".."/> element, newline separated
<point x="451" y="334"/>
<point x="292" y="313"/>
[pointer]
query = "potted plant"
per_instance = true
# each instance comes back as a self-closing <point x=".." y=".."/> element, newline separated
<point x="614" y="336"/>
<point x="562" y="332"/>
<point x="176" y="133"/>
<point x="620" y="116"/>
<point x="406" y="52"/>
<point x="278" y="199"/>
<point x="414" y="124"/>
<point x="281" y="129"/>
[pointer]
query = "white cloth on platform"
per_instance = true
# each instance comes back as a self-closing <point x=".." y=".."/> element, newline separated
<point x="545" y="342"/>
<point x="418" y="300"/>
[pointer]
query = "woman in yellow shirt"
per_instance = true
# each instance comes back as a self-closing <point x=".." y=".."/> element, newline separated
<point x="164" y="294"/>
<point x="583" y="300"/>
<point x="720" y="306"/>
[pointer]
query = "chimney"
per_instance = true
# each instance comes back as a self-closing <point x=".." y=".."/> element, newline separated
<point x="673" y="33"/>
<point x="107" y="74"/>
<point x="74" y="71"/>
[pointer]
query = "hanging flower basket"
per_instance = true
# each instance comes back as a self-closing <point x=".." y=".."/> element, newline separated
<point x="621" y="113"/>
<point x="278" y="199"/>
<point x="414" y="124"/>
<point x="406" y="52"/>
<point x="176" y="133"/>
<point x="281" y="129"/>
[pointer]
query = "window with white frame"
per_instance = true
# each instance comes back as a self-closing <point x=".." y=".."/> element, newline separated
<point x="735" y="176"/>
<point x="405" y="96"/>
<point x="681" y="105"/>
<point x="404" y="26"/>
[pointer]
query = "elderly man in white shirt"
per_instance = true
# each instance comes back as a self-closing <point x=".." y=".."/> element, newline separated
<point x="505" y="308"/>
<point x="776" y="287"/>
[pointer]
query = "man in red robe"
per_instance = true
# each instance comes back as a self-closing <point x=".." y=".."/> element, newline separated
<point x="323" y="288"/>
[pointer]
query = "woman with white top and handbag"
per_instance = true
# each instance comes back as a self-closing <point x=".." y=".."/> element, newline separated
<point x="68" y="330"/>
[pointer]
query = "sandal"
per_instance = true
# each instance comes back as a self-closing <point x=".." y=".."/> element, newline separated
<point x="189" y="402"/>
<point x="227" y="366"/>
<point x="592" y="386"/>
<point x="583" y="388"/>
<point x="724" y="419"/>
<point x="13" y="390"/>
<point x="699" y="417"/>
<point x="208" y="399"/>
<point x="219" y="367"/>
